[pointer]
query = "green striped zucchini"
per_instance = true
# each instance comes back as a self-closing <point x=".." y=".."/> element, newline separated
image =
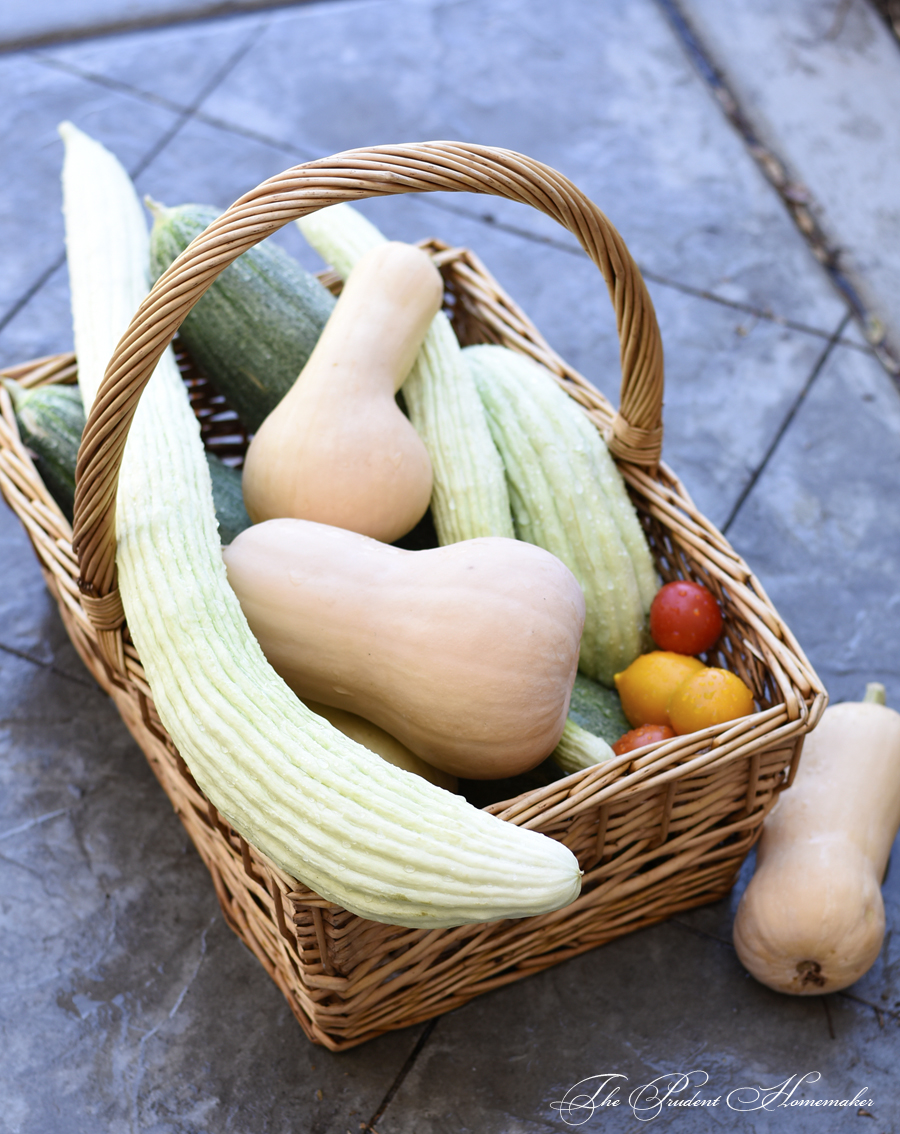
<point x="51" y="421"/>
<point x="256" y="326"/>
<point x="597" y="709"/>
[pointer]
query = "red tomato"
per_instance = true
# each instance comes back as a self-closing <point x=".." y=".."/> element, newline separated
<point x="685" y="618"/>
<point x="638" y="737"/>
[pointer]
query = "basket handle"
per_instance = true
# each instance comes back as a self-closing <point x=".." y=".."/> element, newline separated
<point x="636" y="434"/>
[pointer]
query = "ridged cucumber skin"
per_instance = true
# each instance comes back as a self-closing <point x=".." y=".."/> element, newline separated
<point x="579" y="749"/>
<point x="597" y="709"/>
<point x="568" y="497"/>
<point x="255" y="328"/>
<point x="379" y="841"/>
<point x="470" y="497"/>
<point x="51" y="422"/>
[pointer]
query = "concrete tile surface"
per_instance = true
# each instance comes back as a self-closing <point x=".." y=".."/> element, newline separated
<point x="30" y="22"/>
<point x="141" y="1010"/>
<point x="31" y="204"/>
<point x="171" y="64"/>
<point x="603" y="94"/>
<point x="822" y="84"/>
<point x="125" y="1003"/>
<point x="511" y="1060"/>
<point x="822" y="528"/>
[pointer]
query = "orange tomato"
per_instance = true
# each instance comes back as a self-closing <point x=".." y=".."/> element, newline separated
<point x="708" y="698"/>
<point x="647" y="684"/>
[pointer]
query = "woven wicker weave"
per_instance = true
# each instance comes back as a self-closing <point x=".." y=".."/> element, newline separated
<point x="656" y="831"/>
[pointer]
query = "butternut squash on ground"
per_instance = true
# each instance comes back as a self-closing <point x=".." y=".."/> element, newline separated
<point x="812" y="918"/>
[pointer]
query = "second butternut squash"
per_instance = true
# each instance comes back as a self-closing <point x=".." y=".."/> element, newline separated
<point x="337" y="449"/>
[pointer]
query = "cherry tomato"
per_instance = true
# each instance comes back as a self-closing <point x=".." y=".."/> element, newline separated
<point x="638" y="737"/>
<point x="685" y="618"/>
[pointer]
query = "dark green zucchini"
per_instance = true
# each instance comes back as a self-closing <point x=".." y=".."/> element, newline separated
<point x="228" y="499"/>
<point x="51" y="421"/>
<point x="256" y="326"/>
<point x="597" y="709"/>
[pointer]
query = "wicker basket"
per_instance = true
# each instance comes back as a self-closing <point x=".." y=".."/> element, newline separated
<point x="659" y="830"/>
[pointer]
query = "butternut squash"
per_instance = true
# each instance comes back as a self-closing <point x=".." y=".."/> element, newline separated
<point x="470" y="496"/>
<point x="812" y="918"/>
<point x="466" y="653"/>
<point x="337" y="449"/>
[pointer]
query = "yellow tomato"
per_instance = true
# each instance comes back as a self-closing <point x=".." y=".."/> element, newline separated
<point x="708" y="698"/>
<point x="647" y="684"/>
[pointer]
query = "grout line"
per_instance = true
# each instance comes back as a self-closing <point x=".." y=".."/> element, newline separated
<point x="185" y="114"/>
<point x="32" y="291"/>
<point x="827" y="1008"/>
<point x="110" y="83"/>
<point x="48" y="666"/>
<point x="176" y="107"/>
<point x="795" y="196"/>
<point x="647" y="273"/>
<point x="789" y="417"/>
<point x="879" y="1011"/>
<point x="217" y="78"/>
<point x="401" y="1075"/>
<point x="702" y="933"/>
<point x="470" y="214"/>
<point x="199" y="13"/>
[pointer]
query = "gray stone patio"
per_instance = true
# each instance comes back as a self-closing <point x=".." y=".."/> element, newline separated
<point x="126" y="1004"/>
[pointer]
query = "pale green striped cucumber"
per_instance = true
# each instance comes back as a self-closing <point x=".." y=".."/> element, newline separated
<point x="256" y="326"/>
<point x="569" y="498"/>
<point x="597" y="709"/>
<point x="469" y="497"/>
<point x="51" y="421"/>
<point x="379" y="841"/>
<point x="578" y="749"/>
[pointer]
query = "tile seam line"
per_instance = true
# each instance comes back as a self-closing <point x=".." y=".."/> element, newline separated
<point x="214" y="82"/>
<point x="49" y="666"/>
<point x="796" y="198"/>
<point x="200" y="13"/>
<point x="395" y="1086"/>
<point x="648" y="273"/>
<point x="185" y="114"/>
<point x="484" y="219"/>
<point x="31" y="291"/>
<point x="839" y="992"/>
<point x="785" y="424"/>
